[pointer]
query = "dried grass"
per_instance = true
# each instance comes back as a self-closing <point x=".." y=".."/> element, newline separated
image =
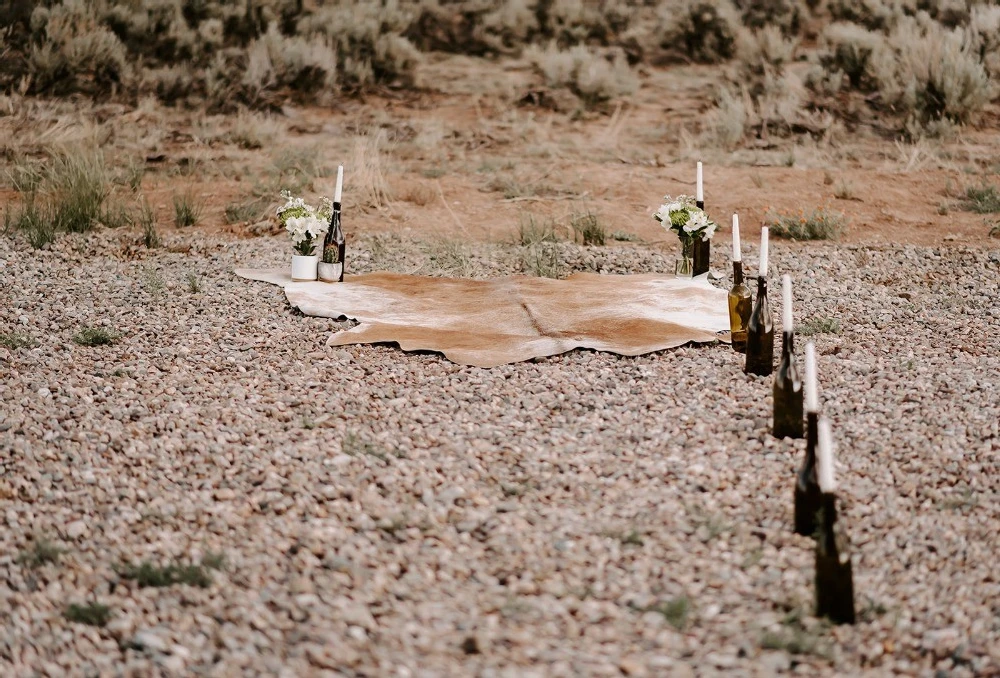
<point x="364" y="177"/>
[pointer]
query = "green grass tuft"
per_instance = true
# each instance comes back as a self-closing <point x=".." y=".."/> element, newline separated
<point x="187" y="211"/>
<point x="147" y="219"/>
<point x="240" y="212"/>
<point x="542" y="260"/>
<point x="14" y="340"/>
<point x="588" y="228"/>
<point x="95" y="336"/>
<point x="41" y="553"/>
<point x="677" y="611"/>
<point x="982" y="199"/>
<point x="533" y="230"/>
<point x="148" y="575"/>
<point x="91" y="614"/>
<point x="820" y="224"/>
<point x="819" y="326"/>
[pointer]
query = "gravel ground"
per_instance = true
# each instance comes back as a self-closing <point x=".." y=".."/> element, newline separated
<point x="381" y="513"/>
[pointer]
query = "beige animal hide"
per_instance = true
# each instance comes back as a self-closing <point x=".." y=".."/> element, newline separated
<point x="493" y="322"/>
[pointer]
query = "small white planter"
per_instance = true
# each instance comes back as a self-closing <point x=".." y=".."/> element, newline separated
<point x="304" y="268"/>
<point x="330" y="272"/>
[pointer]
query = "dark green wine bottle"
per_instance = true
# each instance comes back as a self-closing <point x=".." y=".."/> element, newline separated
<point x="807" y="494"/>
<point x="787" y="420"/>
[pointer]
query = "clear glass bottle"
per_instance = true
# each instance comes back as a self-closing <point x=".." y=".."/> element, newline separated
<point x="740" y="307"/>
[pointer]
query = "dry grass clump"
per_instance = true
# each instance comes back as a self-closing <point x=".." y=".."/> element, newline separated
<point x="593" y="78"/>
<point x="68" y="192"/>
<point x="365" y="176"/>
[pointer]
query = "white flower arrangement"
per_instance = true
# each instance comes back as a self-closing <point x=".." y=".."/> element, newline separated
<point x="306" y="224"/>
<point x="682" y="216"/>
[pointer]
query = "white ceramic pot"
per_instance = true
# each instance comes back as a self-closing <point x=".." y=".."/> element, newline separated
<point x="330" y="272"/>
<point x="304" y="268"/>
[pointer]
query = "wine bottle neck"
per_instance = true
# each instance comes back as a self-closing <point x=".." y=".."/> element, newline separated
<point x="737" y="273"/>
<point x="700" y="204"/>
<point x="829" y="504"/>
<point x="787" y="343"/>
<point x="761" y="285"/>
<point x="336" y="207"/>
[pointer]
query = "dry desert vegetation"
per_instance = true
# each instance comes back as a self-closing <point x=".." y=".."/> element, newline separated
<point x="192" y="483"/>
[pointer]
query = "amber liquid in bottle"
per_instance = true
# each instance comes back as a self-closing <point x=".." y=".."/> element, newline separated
<point x="787" y="422"/>
<point x="760" y="334"/>
<point x="335" y="244"/>
<point x="834" y="579"/>
<point x="807" y="492"/>
<point x="740" y="306"/>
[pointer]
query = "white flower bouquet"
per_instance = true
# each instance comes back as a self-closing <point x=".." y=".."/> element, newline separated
<point x="306" y="224"/>
<point x="682" y="216"/>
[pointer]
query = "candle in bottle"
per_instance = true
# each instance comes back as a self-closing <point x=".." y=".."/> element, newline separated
<point x="699" y="186"/>
<point x="340" y="184"/>
<point x="762" y="272"/>
<point x="786" y="303"/>
<point x="812" y="389"/>
<point x="736" y="238"/>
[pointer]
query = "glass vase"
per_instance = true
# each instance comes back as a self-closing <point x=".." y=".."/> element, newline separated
<point x="684" y="266"/>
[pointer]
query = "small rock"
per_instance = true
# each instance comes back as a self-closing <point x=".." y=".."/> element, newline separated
<point x="77" y="529"/>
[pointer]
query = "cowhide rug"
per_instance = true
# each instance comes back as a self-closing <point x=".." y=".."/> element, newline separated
<point x="493" y="322"/>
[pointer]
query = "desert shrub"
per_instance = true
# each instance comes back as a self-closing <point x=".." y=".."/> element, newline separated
<point x="785" y="15"/>
<point x="72" y="51"/>
<point x="949" y="13"/>
<point x="590" y="76"/>
<point x="931" y="73"/>
<point x="727" y="122"/>
<point x="848" y="50"/>
<point x="871" y="14"/>
<point x="498" y="27"/>
<point x="761" y="54"/>
<point x="368" y="41"/>
<point x="699" y="30"/>
<point x="983" y="36"/>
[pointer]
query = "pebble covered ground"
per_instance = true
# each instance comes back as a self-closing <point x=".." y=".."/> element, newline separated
<point x="361" y="511"/>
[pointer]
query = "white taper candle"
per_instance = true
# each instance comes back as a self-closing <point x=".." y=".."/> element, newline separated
<point x="763" y="253"/>
<point x="340" y="183"/>
<point x="699" y="191"/>
<point x="736" y="238"/>
<point x="824" y="458"/>
<point x="812" y="387"/>
<point x="786" y="303"/>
